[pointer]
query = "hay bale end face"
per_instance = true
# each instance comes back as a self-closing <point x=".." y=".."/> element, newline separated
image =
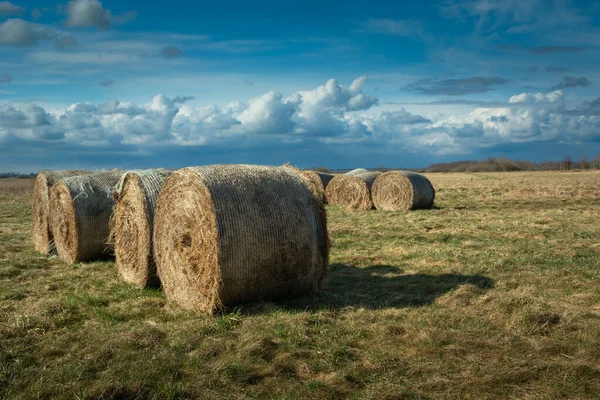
<point x="132" y="225"/>
<point x="228" y="234"/>
<point x="81" y="211"/>
<point x="352" y="191"/>
<point x="402" y="190"/>
<point x="42" y="234"/>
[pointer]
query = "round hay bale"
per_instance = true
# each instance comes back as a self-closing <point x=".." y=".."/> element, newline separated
<point x="132" y="225"/>
<point x="312" y="180"/>
<point x="228" y="234"/>
<point x="356" y="171"/>
<point x="352" y="191"/>
<point x="81" y="211"/>
<point x="402" y="190"/>
<point x="325" y="179"/>
<point x="42" y="234"/>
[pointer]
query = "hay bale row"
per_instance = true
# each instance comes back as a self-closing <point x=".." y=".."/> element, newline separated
<point x="42" y="233"/>
<point x="81" y="210"/>
<point x="402" y="190"/>
<point x="352" y="191"/>
<point x="227" y="234"/>
<point x="132" y="225"/>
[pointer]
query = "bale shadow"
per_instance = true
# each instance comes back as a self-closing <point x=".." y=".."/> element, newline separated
<point x="376" y="287"/>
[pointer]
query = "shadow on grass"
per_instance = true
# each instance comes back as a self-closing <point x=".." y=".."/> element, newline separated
<point x="376" y="287"/>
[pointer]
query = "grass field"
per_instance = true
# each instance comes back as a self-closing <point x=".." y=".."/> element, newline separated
<point x="495" y="294"/>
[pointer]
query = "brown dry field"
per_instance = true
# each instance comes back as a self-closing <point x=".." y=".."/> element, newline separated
<point x="16" y="185"/>
<point x="493" y="294"/>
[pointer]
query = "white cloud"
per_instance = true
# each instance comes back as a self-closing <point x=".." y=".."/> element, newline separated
<point x="331" y="114"/>
<point x="551" y="97"/>
<point x="17" y="32"/>
<point x="8" y="8"/>
<point x="91" y="13"/>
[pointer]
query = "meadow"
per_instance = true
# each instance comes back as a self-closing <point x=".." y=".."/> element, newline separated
<point x="493" y="294"/>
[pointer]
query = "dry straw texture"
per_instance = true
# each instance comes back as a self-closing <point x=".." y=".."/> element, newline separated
<point x="228" y="234"/>
<point x="42" y="234"/>
<point x="81" y="211"/>
<point x="356" y="171"/>
<point x="312" y="180"/>
<point x="132" y="225"/>
<point x="352" y="191"/>
<point x="402" y="190"/>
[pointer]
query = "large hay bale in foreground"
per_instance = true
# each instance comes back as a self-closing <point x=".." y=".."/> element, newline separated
<point x="228" y="234"/>
<point x="402" y="190"/>
<point x="81" y="211"/>
<point x="132" y="225"/>
<point x="42" y="234"/>
<point x="352" y="191"/>
<point x="356" y="171"/>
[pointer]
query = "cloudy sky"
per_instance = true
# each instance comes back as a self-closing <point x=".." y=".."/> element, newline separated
<point x="133" y="84"/>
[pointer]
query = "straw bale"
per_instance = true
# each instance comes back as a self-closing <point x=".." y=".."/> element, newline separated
<point x="132" y="225"/>
<point x="81" y="211"/>
<point x="352" y="191"/>
<point x="42" y="235"/>
<point x="402" y="190"/>
<point x="228" y="234"/>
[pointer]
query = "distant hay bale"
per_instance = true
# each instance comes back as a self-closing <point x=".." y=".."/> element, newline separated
<point x="228" y="234"/>
<point x="132" y="225"/>
<point x="42" y="234"/>
<point x="356" y="171"/>
<point x="81" y="211"/>
<point x="402" y="190"/>
<point x="352" y="191"/>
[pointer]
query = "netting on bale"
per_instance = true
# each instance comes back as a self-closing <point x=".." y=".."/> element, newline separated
<point x="81" y="211"/>
<point x="132" y="225"/>
<point x="42" y="235"/>
<point x="228" y="234"/>
<point x="402" y="190"/>
<point x="352" y="191"/>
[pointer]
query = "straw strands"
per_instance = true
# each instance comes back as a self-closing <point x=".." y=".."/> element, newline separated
<point x="81" y="210"/>
<point x="352" y="191"/>
<point x="132" y="225"/>
<point x="402" y="190"/>
<point x="227" y="234"/>
<point x="42" y="234"/>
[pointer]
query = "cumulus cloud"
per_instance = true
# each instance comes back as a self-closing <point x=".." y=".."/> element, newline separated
<point x="17" y="32"/>
<point x="106" y="82"/>
<point x="530" y="98"/>
<point x="171" y="51"/>
<point x="5" y="78"/>
<point x="331" y="113"/>
<point x="571" y="81"/>
<point x="91" y="13"/>
<point x="7" y="9"/>
<point x="454" y="87"/>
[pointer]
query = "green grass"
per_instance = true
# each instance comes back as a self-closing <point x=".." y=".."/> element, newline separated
<point x="493" y="294"/>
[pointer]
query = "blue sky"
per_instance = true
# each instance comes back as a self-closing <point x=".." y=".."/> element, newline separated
<point x="133" y="84"/>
